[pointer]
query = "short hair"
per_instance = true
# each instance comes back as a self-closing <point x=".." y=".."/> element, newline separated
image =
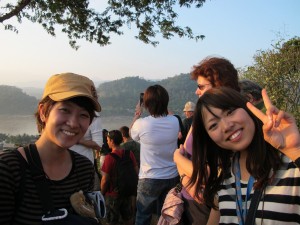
<point x="218" y="71"/>
<point x="48" y="103"/>
<point x="156" y="100"/>
<point x="250" y="87"/>
<point x="116" y="136"/>
<point x="125" y="131"/>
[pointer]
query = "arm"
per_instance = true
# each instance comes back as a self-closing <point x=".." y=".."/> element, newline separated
<point x="214" y="217"/>
<point x="137" y="114"/>
<point x="89" y="144"/>
<point x="96" y="134"/>
<point x="279" y="128"/>
<point x="104" y="183"/>
<point x="184" y="165"/>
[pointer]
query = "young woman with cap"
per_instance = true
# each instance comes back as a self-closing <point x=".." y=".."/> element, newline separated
<point x="63" y="115"/>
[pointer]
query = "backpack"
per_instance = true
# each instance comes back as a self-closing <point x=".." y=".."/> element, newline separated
<point x="125" y="178"/>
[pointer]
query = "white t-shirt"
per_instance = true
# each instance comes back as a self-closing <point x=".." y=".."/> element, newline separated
<point x="158" y="139"/>
<point x="94" y="132"/>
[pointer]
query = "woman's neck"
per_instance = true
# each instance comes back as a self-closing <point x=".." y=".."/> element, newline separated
<point x="243" y="168"/>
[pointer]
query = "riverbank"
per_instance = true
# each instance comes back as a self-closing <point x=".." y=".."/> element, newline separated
<point x="25" y="124"/>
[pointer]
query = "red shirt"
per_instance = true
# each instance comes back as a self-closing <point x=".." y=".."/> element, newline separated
<point x="109" y="165"/>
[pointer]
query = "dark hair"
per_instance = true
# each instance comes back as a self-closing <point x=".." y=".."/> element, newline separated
<point x="218" y="71"/>
<point x="116" y="136"/>
<point x="250" y="87"/>
<point x="125" y="131"/>
<point x="48" y="103"/>
<point x="261" y="159"/>
<point x="156" y="100"/>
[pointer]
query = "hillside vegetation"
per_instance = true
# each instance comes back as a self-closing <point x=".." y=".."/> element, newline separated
<point x="13" y="101"/>
<point x="117" y="98"/>
<point x="120" y="97"/>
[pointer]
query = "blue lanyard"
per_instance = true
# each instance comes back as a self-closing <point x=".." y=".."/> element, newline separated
<point x="240" y="211"/>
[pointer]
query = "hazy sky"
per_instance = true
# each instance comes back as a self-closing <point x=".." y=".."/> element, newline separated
<point x="234" y="29"/>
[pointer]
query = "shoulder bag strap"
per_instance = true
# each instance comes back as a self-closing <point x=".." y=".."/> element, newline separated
<point x="250" y="220"/>
<point x="115" y="156"/>
<point x="39" y="177"/>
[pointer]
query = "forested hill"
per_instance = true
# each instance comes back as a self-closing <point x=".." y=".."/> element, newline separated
<point x="118" y="97"/>
<point x="13" y="101"/>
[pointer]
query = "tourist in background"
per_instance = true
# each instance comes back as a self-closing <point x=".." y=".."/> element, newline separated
<point x="129" y="144"/>
<point x="158" y="135"/>
<point x="252" y="91"/>
<point x="104" y="148"/>
<point x="188" y="110"/>
<point x="118" y="207"/>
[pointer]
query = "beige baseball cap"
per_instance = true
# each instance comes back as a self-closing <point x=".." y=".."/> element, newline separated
<point x="189" y="107"/>
<point x="64" y="86"/>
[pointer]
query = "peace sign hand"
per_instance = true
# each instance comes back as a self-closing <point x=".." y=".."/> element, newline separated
<point x="279" y="128"/>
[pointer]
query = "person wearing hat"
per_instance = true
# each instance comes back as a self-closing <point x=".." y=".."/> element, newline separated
<point x="188" y="110"/>
<point x="63" y="116"/>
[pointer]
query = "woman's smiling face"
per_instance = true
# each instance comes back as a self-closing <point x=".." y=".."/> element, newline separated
<point x="231" y="129"/>
<point x="66" y="124"/>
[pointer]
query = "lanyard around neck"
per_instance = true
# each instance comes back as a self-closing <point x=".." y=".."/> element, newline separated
<point x="240" y="210"/>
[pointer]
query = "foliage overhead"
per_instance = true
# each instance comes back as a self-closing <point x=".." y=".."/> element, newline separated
<point x="79" y="21"/>
<point x="278" y="70"/>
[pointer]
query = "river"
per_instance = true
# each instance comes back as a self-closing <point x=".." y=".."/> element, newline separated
<point x="14" y="125"/>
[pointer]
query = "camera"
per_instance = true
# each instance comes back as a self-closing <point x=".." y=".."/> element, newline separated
<point x="141" y="98"/>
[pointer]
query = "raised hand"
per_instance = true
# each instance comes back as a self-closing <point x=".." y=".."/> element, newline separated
<point x="279" y="127"/>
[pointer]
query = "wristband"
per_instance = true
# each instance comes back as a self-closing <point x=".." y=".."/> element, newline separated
<point x="297" y="162"/>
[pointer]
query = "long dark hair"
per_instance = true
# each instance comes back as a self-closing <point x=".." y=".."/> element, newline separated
<point x="261" y="159"/>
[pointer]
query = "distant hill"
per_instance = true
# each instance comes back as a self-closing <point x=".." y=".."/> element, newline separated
<point x="120" y="97"/>
<point x="33" y="91"/>
<point x="13" y="101"/>
<point x="117" y="98"/>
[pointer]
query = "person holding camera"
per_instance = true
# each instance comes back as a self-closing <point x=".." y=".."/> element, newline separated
<point x="157" y="134"/>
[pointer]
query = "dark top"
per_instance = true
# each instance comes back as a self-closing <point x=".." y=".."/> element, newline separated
<point x="26" y="208"/>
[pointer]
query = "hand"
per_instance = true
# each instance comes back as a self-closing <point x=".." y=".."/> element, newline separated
<point x="279" y="127"/>
<point x="138" y="109"/>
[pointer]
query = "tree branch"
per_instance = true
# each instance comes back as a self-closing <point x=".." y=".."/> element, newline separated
<point x="16" y="10"/>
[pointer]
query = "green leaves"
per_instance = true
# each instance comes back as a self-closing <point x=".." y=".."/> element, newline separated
<point x="278" y="70"/>
<point x="78" y="20"/>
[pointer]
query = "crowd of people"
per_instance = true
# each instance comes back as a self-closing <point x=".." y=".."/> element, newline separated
<point x="234" y="158"/>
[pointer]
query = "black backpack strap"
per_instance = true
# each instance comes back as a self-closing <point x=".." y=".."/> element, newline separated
<point x="126" y="154"/>
<point x="115" y="156"/>
<point x="39" y="177"/>
<point x="250" y="220"/>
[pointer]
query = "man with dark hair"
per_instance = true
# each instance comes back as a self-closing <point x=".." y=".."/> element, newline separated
<point x="252" y="91"/>
<point x="129" y="144"/>
<point x="118" y="207"/>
